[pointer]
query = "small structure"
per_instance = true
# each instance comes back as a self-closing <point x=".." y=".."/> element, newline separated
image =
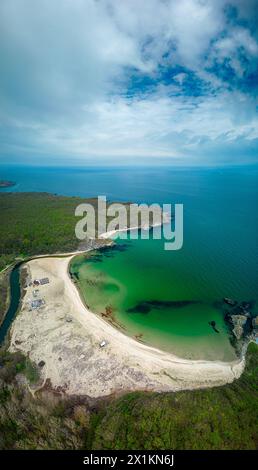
<point x="103" y="343"/>
<point x="37" y="303"/>
<point x="38" y="282"/>
<point x="44" y="280"/>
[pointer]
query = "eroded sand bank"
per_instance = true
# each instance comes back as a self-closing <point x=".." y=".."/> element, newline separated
<point x="66" y="336"/>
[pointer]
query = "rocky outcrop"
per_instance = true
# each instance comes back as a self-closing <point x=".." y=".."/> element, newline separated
<point x="242" y="322"/>
<point x="238" y="322"/>
<point x="229" y="301"/>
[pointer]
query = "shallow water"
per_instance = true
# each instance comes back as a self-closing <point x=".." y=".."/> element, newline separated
<point x="152" y="296"/>
<point x="218" y="258"/>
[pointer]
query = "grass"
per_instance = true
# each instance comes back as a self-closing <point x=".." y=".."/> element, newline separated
<point x="218" y="418"/>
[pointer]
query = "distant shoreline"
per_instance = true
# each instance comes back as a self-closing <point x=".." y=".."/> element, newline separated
<point x="6" y="184"/>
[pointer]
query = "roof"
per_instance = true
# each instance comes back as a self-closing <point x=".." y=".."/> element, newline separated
<point x="44" y="280"/>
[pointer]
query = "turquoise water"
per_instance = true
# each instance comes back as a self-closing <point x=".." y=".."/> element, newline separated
<point x="218" y="258"/>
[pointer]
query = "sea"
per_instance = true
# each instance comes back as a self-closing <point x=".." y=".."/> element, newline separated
<point x="167" y="299"/>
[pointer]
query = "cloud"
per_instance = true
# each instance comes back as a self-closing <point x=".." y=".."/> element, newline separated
<point x="119" y="80"/>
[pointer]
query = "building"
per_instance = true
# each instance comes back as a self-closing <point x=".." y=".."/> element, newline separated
<point x="37" y="303"/>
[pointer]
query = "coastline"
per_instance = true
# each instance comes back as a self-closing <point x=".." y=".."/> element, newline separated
<point x="165" y="219"/>
<point x="66" y="336"/>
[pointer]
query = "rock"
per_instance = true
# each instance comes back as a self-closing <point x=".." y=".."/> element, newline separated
<point x="230" y="301"/>
<point x="238" y="322"/>
<point x="212" y="323"/>
<point x="245" y="305"/>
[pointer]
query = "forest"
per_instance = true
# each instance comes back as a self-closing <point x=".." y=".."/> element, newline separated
<point x="218" y="418"/>
<point x="36" y="223"/>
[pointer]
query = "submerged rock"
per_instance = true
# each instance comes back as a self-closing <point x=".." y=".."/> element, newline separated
<point x="212" y="323"/>
<point x="229" y="301"/>
<point x="148" y="305"/>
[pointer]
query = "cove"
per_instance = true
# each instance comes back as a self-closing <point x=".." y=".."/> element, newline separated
<point x="155" y="297"/>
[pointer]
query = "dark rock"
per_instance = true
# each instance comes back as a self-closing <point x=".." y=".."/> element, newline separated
<point x="212" y="323"/>
<point x="230" y="301"/>
<point x="148" y="305"/>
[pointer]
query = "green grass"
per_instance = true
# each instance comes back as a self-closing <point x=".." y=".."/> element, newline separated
<point x="36" y="223"/>
<point x="27" y="368"/>
<point x="219" y="418"/>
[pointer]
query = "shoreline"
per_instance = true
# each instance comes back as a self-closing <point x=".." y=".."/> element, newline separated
<point x="165" y="219"/>
<point x="124" y="364"/>
<point x="153" y="348"/>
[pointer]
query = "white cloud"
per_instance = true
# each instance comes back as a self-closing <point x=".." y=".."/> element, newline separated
<point x="180" y="77"/>
<point x="65" y="67"/>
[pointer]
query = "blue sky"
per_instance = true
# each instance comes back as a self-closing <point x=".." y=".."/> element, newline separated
<point x="147" y="81"/>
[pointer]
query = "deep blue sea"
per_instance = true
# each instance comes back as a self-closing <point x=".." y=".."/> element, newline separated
<point x="219" y="255"/>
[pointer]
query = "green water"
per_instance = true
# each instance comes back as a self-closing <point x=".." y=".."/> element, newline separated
<point x="143" y="272"/>
<point x="218" y="258"/>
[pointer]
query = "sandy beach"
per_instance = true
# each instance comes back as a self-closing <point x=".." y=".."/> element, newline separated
<point x="66" y="336"/>
<point x="165" y="219"/>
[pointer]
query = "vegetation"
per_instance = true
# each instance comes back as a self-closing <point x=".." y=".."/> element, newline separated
<point x="219" y="418"/>
<point x="32" y="224"/>
<point x="36" y="223"/>
<point x="47" y="422"/>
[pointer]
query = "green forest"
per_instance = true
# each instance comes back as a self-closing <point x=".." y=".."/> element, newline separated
<point x="33" y="224"/>
<point x="36" y="223"/>
<point x="218" y="418"/>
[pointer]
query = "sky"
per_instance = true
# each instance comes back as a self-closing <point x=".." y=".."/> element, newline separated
<point x="109" y="81"/>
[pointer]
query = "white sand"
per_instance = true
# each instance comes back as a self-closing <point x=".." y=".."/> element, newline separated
<point x="73" y="358"/>
<point x="165" y="219"/>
